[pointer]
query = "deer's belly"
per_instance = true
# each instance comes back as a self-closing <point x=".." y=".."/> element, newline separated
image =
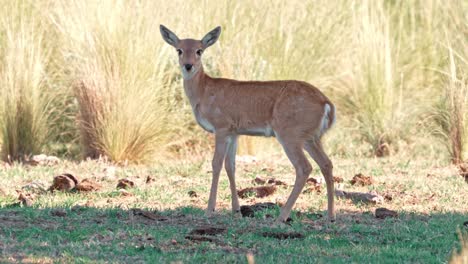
<point x="266" y="131"/>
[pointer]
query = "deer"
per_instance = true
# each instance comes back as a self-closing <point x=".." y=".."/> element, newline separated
<point x="296" y="113"/>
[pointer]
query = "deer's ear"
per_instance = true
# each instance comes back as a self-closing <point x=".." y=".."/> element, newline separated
<point x="210" y="38"/>
<point x="169" y="36"/>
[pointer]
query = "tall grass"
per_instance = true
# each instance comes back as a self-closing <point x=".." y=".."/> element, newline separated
<point x="113" y="81"/>
<point x="451" y="112"/>
<point x="120" y="77"/>
<point x="25" y="93"/>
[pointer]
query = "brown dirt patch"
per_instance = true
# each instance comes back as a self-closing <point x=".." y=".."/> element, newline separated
<point x="58" y="212"/>
<point x="88" y="185"/>
<point x="361" y="180"/>
<point x="338" y="179"/>
<point x="313" y="181"/>
<point x="271" y="181"/>
<point x="249" y="210"/>
<point x="276" y="182"/>
<point x="199" y="238"/>
<point x="259" y="192"/>
<point x="283" y="235"/>
<point x="382" y="213"/>
<point x="148" y="215"/>
<point x="208" y="231"/>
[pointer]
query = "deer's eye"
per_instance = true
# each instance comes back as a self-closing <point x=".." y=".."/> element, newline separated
<point x="199" y="52"/>
<point x="179" y="52"/>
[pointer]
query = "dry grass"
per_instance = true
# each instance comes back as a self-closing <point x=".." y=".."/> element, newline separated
<point x="451" y="114"/>
<point x="26" y="110"/>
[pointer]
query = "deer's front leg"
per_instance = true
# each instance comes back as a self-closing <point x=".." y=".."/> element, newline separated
<point x="230" y="165"/>
<point x="220" y="152"/>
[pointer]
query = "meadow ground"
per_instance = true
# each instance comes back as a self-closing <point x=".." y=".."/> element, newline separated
<point x="156" y="219"/>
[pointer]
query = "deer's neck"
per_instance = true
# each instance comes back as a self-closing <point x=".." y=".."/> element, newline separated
<point x="195" y="87"/>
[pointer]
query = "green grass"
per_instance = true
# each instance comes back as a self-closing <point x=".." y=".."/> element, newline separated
<point x="102" y="235"/>
<point x="430" y="199"/>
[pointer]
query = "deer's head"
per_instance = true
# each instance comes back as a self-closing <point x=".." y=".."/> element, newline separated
<point x="190" y="50"/>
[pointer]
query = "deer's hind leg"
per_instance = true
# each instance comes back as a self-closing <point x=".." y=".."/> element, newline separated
<point x="315" y="149"/>
<point x="295" y="153"/>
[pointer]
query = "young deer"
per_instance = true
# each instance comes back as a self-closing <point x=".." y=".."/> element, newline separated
<point x="294" y="112"/>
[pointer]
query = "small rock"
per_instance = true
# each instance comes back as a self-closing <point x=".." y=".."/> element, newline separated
<point x="174" y="242"/>
<point x="64" y="182"/>
<point x="58" y="212"/>
<point x="125" y="184"/>
<point x="383" y="213"/>
<point x="260" y="192"/>
<point x="192" y="194"/>
<point x="361" y="180"/>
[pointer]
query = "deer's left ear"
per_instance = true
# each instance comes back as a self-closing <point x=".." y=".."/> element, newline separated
<point x="210" y="38"/>
<point x="169" y="36"/>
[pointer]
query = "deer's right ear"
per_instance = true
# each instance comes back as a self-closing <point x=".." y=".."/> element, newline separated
<point x="169" y="36"/>
<point x="210" y="38"/>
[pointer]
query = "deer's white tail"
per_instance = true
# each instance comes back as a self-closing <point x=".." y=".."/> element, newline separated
<point x="328" y="119"/>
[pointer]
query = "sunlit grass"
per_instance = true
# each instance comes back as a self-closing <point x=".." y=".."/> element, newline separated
<point x="26" y="96"/>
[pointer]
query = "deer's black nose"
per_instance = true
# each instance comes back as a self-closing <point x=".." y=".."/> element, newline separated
<point x="188" y="67"/>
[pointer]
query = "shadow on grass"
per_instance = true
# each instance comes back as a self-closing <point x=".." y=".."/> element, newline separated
<point x="88" y="234"/>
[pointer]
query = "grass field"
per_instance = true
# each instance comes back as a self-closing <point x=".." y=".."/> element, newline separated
<point x="109" y="226"/>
